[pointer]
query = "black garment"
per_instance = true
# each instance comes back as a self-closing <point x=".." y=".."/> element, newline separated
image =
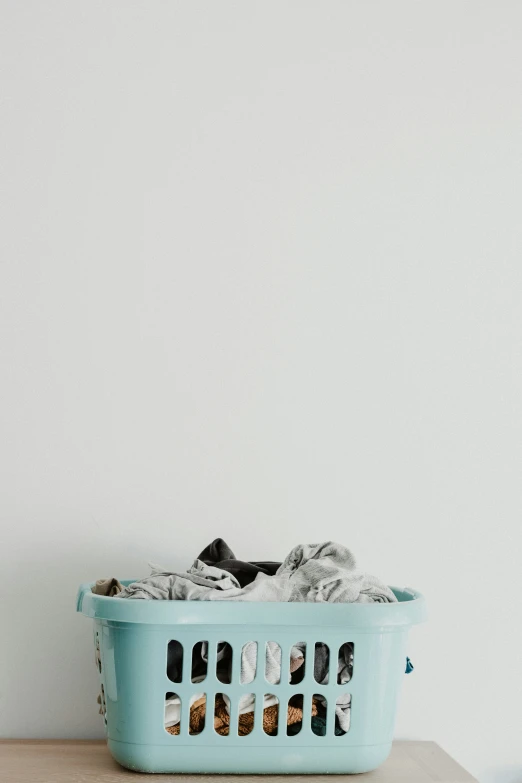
<point x="219" y="554"/>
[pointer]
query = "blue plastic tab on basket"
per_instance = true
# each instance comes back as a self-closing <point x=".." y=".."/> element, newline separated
<point x="409" y="666"/>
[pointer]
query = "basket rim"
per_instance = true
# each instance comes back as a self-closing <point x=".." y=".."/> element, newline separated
<point x="410" y="609"/>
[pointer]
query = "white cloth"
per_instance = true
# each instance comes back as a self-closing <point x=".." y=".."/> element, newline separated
<point x="173" y="709"/>
<point x="249" y="656"/>
<point x="316" y="573"/>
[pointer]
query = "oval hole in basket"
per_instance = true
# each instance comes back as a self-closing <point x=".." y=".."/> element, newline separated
<point x="294" y="721"/>
<point x="199" y="662"/>
<point x="321" y="663"/>
<point x="224" y="663"/>
<point x="248" y="662"/>
<point x="172" y="719"/>
<point x="345" y="663"/>
<point x="174" y="660"/>
<point x="319" y="710"/>
<point x="342" y="714"/>
<point x="247" y="704"/>
<point x="221" y="715"/>
<point x="270" y="714"/>
<point x="297" y="663"/>
<point x="198" y="709"/>
<point x="273" y="663"/>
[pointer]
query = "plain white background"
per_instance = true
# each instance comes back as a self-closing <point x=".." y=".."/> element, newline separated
<point x="261" y="278"/>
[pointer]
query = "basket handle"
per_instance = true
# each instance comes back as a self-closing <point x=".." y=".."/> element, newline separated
<point x="82" y="590"/>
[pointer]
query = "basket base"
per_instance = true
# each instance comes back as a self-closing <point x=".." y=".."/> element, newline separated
<point x="250" y="761"/>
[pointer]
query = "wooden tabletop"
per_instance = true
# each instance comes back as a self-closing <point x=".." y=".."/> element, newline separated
<point x="76" y="761"/>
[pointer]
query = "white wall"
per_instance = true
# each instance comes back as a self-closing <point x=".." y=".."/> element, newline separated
<point x="261" y="278"/>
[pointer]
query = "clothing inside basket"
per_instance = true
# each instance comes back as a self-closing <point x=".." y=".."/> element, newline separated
<point x="273" y="674"/>
<point x="318" y="573"/>
<point x="294" y="718"/>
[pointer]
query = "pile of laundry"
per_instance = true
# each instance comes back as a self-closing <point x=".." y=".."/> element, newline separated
<point x="272" y="675"/>
<point x="317" y="572"/>
<point x="324" y="572"/>
<point x="246" y="719"/>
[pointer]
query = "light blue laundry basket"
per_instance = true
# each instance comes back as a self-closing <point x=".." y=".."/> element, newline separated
<point x="132" y="638"/>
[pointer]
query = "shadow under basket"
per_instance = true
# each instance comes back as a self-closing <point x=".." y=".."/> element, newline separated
<point x="204" y="728"/>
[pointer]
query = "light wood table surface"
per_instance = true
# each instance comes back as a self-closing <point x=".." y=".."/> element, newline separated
<point x="76" y="761"/>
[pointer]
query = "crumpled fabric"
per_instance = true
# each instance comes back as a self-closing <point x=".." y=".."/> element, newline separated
<point x="173" y="708"/>
<point x="249" y="662"/>
<point x="195" y="584"/>
<point x="219" y="554"/>
<point x="206" y="583"/>
<point x="321" y="658"/>
<point x="314" y="573"/>
<point x="328" y="573"/>
<point x="108" y="587"/>
<point x="199" y="663"/>
<point x="249" y="659"/>
<point x="198" y="709"/>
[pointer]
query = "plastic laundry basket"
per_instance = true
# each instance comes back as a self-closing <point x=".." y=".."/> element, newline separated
<point x="132" y="638"/>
